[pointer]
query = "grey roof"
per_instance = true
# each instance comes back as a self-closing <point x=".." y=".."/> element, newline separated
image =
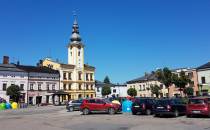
<point x="205" y="66"/>
<point x="42" y="69"/>
<point x="102" y="84"/>
<point x="147" y="77"/>
<point x="10" y="67"/>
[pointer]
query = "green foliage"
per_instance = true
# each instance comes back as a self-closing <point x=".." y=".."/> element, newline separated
<point x="14" y="92"/>
<point x="106" y="90"/>
<point x="132" y="92"/>
<point x="155" y="90"/>
<point x="189" y="91"/>
<point x="180" y="81"/>
<point x="106" y="80"/>
<point x="165" y="76"/>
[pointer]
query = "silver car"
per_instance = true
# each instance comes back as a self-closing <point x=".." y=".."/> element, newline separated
<point x="73" y="105"/>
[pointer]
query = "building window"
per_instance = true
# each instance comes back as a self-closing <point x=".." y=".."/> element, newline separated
<point x="144" y="88"/>
<point x="21" y="87"/>
<point x="70" y="76"/>
<point x="139" y="87"/>
<point x="87" y="88"/>
<point x="64" y="76"/>
<point x="31" y="86"/>
<point x="91" y="77"/>
<point x="87" y="77"/>
<point x="80" y="76"/>
<point x="98" y="90"/>
<point x="91" y="95"/>
<point x="114" y="90"/>
<point x="4" y="87"/>
<point x="64" y="86"/>
<point x="78" y="53"/>
<point x="161" y="86"/>
<point x="80" y="87"/>
<point x="203" y="80"/>
<point x="48" y="87"/>
<point x="53" y="87"/>
<point x="39" y="87"/>
<point x="91" y="87"/>
<point x="69" y="86"/>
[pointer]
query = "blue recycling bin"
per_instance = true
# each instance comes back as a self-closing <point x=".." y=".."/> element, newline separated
<point x="126" y="106"/>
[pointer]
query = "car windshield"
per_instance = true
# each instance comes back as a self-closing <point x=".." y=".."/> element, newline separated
<point x="196" y="101"/>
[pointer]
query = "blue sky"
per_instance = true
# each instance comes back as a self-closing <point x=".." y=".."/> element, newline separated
<point x="123" y="38"/>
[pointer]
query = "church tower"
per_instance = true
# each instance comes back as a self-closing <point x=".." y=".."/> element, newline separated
<point x="76" y="47"/>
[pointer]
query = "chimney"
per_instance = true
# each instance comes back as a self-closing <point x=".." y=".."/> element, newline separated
<point x="6" y="60"/>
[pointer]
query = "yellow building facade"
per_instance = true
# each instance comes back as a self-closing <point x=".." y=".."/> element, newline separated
<point x="76" y="78"/>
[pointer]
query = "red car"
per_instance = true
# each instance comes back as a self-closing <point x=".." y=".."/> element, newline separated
<point x="198" y="106"/>
<point x="99" y="105"/>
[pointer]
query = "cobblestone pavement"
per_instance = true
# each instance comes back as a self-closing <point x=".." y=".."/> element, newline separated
<point x="57" y="118"/>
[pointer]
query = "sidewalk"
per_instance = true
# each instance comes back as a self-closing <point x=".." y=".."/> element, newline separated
<point x="31" y="110"/>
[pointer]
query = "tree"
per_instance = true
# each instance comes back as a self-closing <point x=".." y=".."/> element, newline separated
<point x="106" y="90"/>
<point x="189" y="91"/>
<point x="106" y="80"/>
<point x="14" y="92"/>
<point x="132" y="92"/>
<point x="164" y="76"/>
<point x="180" y="81"/>
<point x="155" y="90"/>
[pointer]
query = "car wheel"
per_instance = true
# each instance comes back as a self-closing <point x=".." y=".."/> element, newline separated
<point x="85" y="111"/>
<point x="176" y="113"/>
<point x="71" y="109"/>
<point x="134" y="113"/>
<point x="156" y="115"/>
<point x="189" y="116"/>
<point x="148" y="112"/>
<point x="111" y="111"/>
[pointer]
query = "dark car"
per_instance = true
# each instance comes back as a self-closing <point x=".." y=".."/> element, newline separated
<point x="174" y="107"/>
<point x="143" y="106"/>
<point x="99" y="105"/>
<point x="198" y="106"/>
<point x="74" y="105"/>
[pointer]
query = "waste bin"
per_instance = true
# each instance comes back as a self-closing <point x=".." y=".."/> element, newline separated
<point x="126" y="106"/>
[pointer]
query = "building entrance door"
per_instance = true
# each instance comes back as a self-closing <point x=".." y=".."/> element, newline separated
<point x="38" y="99"/>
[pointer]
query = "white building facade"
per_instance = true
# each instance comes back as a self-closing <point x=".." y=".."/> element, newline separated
<point x="143" y="86"/>
<point x="43" y="82"/>
<point x="116" y="90"/>
<point x="10" y="75"/>
<point x="204" y="78"/>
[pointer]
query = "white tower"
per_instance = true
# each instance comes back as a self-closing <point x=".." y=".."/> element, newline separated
<point x="76" y="48"/>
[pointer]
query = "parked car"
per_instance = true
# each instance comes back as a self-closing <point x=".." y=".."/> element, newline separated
<point x="198" y="106"/>
<point x="173" y="106"/>
<point x="143" y="106"/>
<point x="74" y="105"/>
<point x="99" y="105"/>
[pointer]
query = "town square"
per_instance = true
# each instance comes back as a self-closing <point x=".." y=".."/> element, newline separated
<point x="105" y="65"/>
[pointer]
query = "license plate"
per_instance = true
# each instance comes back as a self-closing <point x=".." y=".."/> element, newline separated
<point x="160" y="107"/>
<point x="196" y="112"/>
<point x="137" y="106"/>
